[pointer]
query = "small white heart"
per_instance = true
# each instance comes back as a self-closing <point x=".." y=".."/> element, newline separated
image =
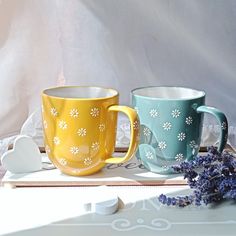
<point x="24" y="157"/>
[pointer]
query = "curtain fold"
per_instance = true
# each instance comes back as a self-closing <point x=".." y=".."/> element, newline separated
<point x="120" y="44"/>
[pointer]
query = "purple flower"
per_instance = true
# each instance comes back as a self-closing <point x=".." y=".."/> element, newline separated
<point x="212" y="178"/>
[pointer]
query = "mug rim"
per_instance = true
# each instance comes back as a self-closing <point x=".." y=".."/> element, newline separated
<point x="44" y="92"/>
<point x="203" y="94"/>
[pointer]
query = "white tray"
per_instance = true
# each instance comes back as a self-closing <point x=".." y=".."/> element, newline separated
<point x="130" y="173"/>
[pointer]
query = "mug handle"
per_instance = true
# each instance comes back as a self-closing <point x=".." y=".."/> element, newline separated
<point x="134" y="139"/>
<point x="220" y="116"/>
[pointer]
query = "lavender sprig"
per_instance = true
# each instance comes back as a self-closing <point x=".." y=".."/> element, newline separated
<point x="212" y="178"/>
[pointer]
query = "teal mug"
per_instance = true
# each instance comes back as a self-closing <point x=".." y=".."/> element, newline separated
<point x="171" y="120"/>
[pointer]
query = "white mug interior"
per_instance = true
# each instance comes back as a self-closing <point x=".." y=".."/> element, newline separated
<point x="80" y="92"/>
<point x="169" y="93"/>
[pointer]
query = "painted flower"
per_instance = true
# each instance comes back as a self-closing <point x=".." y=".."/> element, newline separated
<point x="74" y="113"/>
<point x="189" y="120"/>
<point x="153" y="113"/>
<point x="136" y="125"/>
<point x="175" y="113"/>
<point x="181" y="136"/>
<point x="95" y="146"/>
<point x="149" y="155"/>
<point x="162" y="145"/>
<point x="56" y="140"/>
<point x="94" y="112"/>
<point x="224" y="125"/>
<point x="192" y="144"/>
<point x="74" y="150"/>
<point x="146" y="131"/>
<point x="82" y="132"/>
<point x="87" y="161"/>
<point x="167" y="126"/>
<point x="101" y="127"/>
<point x="62" y="124"/>
<point x="54" y="111"/>
<point x="63" y="161"/>
<point x="179" y="157"/>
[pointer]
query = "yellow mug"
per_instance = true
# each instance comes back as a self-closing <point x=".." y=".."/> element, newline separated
<point x="79" y="126"/>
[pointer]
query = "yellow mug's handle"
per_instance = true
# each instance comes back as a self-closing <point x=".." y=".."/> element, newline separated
<point x="134" y="133"/>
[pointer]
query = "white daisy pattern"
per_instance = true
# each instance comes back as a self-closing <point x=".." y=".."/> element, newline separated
<point x="146" y="131"/>
<point x="56" y="140"/>
<point x="87" y="161"/>
<point x="63" y="161"/>
<point x="94" y="112"/>
<point x="162" y="145"/>
<point x="54" y="111"/>
<point x="192" y="144"/>
<point x="136" y="125"/>
<point x="224" y="125"/>
<point x="101" y="127"/>
<point x="74" y="150"/>
<point x="82" y="132"/>
<point x="95" y="146"/>
<point x="179" y="157"/>
<point x="181" y="136"/>
<point x="149" y="155"/>
<point x="62" y="125"/>
<point x="175" y="113"/>
<point x="45" y="124"/>
<point x="189" y="120"/>
<point x="74" y="113"/>
<point x="167" y="126"/>
<point x="153" y="113"/>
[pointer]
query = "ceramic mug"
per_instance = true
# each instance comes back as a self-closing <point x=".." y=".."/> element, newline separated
<point x="80" y="128"/>
<point x="171" y="120"/>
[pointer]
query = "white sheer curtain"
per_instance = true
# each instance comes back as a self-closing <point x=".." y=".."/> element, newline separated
<point x="116" y="43"/>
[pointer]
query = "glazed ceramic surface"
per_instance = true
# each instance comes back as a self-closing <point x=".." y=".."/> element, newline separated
<point x="80" y="128"/>
<point x="171" y="125"/>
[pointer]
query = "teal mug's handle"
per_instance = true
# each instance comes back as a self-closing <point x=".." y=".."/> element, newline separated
<point x="220" y="116"/>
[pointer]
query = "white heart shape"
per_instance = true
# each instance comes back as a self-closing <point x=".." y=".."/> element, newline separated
<point x="24" y="157"/>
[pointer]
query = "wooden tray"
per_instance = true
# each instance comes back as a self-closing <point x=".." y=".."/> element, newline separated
<point x="130" y="173"/>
